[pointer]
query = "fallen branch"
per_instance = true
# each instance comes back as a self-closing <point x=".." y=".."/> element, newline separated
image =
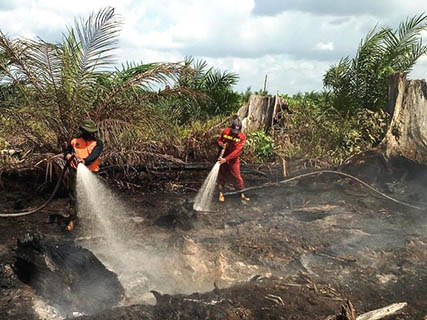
<point x="275" y="299"/>
<point x="382" y="312"/>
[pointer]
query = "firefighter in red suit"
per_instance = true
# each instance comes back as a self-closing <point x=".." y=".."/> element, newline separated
<point x="232" y="139"/>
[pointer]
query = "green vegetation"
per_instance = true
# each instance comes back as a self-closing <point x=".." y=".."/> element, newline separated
<point x="316" y="129"/>
<point x="362" y="82"/>
<point x="156" y="111"/>
<point x="215" y="87"/>
<point x="59" y="84"/>
<point x="261" y="146"/>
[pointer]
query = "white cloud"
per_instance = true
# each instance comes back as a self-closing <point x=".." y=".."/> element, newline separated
<point x="327" y="7"/>
<point x="325" y="46"/>
<point x="294" y="42"/>
<point x="283" y="73"/>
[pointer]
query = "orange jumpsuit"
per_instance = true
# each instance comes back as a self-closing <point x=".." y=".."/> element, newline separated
<point x="230" y="170"/>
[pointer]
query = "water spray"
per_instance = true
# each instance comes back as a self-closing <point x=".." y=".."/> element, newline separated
<point x="204" y="197"/>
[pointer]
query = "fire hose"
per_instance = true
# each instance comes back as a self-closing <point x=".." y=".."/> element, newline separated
<point x="268" y="184"/>
<point x="221" y="154"/>
<point x="52" y="195"/>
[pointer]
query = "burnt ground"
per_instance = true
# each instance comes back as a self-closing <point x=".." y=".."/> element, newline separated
<point x="295" y="251"/>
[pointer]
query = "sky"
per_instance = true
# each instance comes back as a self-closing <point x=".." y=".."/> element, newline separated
<point x="294" y="42"/>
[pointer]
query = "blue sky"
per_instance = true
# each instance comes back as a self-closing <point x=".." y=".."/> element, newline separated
<point x="293" y="42"/>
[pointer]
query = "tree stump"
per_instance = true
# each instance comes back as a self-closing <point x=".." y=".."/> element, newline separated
<point x="260" y="114"/>
<point x="260" y="111"/>
<point x="407" y="134"/>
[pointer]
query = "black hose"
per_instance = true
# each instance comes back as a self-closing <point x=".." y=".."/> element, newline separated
<point x="268" y="184"/>
<point x="55" y="190"/>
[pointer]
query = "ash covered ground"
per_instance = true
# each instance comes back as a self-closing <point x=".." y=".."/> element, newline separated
<point x="295" y="251"/>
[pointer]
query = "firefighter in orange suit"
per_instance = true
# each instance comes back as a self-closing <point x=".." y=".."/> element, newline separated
<point x="85" y="149"/>
<point x="232" y="139"/>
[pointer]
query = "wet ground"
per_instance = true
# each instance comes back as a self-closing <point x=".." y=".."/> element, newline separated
<point x="294" y="251"/>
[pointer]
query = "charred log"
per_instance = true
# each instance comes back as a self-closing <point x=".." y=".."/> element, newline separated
<point x="68" y="276"/>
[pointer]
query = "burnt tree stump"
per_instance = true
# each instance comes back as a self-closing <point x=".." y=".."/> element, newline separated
<point x="407" y="134"/>
<point x="262" y="112"/>
<point x="67" y="276"/>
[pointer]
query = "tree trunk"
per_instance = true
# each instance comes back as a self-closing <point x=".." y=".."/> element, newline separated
<point x="407" y="134"/>
<point x="260" y="113"/>
<point x="396" y="85"/>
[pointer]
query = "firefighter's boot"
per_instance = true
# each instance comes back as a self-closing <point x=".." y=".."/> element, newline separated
<point x="242" y="195"/>
<point x="221" y="195"/>
<point x="70" y="219"/>
<point x="70" y="226"/>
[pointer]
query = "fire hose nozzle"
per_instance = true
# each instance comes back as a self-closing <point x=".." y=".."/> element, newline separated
<point x="223" y="146"/>
<point x="75" y="159"/>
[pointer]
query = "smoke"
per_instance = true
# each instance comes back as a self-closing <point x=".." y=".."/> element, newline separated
<point x="142" y="260"/>
<point x="339" y="226"/>
<point x="328" y="230"/>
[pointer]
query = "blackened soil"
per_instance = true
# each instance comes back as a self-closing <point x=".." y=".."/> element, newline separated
<point x="294" y="251"/>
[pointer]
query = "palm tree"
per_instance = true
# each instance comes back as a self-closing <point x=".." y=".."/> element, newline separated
<point x="362" y="82"/>
<point x="215" y="88"/>
<point x="62" y="83"/>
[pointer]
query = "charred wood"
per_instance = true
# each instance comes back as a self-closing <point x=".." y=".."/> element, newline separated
<point x="68" y="276"/>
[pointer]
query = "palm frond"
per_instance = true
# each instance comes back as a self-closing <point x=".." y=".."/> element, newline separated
<point x="97" y="36"/>
<point x="404" y="46"/>
<point x="145" y="77"/>
<point x="218" y="79"/>
<point x="18" y="66"/>
<point x="409" y="30"/>
<point x="337" y="75"/>
<point x="88" y="49"/>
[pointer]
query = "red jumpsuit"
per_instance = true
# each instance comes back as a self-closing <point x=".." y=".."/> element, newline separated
<point x="230" y="170"/>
